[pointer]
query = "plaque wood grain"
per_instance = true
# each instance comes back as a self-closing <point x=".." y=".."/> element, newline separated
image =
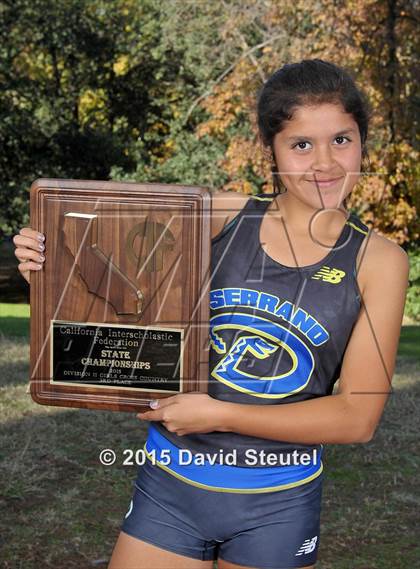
<point x="120" y="253"/>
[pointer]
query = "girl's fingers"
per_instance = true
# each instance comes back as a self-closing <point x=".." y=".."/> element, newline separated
<point x="151" y="415"/>
<point x="29" y="248"/>
<point x="28" y="232"/>
<point x="29" y="242"/>
<point x="24" y="268"/>
<point x="29" y="255"/>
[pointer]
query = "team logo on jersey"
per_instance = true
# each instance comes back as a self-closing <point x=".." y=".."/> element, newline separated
<point x="259" y="338"/>
<point x="329" y="275"/>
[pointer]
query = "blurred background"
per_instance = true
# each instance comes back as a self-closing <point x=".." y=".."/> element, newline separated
<point x="140" y="90"/>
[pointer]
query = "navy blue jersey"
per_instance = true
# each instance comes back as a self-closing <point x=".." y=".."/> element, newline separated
<point x="278" y="335"/>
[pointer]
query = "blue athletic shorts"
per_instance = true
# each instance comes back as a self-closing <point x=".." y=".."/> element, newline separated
<point x="272" y="530"/>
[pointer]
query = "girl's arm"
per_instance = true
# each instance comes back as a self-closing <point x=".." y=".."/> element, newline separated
<point x="364" y="385"/>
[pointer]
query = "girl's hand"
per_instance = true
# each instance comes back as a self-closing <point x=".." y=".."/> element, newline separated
<point x="187" y="413"/>
<point x="29" y="251"/>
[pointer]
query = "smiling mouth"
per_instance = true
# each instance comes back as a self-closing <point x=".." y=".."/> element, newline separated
<point x="324" y="183"/>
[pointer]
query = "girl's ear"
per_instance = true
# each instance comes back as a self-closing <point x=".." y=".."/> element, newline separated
<point x="275" y="176"/>
<point x="278" y="187"/>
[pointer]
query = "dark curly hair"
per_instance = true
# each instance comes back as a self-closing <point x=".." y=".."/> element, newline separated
<point x="312" y="81"/>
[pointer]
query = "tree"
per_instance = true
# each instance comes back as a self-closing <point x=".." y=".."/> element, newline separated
<point x="83" y="83"/>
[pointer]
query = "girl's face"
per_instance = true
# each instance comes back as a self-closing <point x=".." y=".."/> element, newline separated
<point x="319" y="144"/>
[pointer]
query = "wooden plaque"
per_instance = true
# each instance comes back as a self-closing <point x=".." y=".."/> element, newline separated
<point x="120" y="309"/>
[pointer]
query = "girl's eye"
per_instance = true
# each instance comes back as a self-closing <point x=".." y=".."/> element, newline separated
<point x="299" y="144"/>
<point x="342" y="138"/>
<point x="303" y="142"/>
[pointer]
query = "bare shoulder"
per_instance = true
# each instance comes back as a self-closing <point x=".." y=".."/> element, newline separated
<point x="381" y="251"/>
<point x="223" y="201"/>
<point x="225" y="206"/>
<point x="380" y="260"/>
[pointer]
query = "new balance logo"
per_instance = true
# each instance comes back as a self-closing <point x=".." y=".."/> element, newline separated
<point x="333" y="276"/>
<point x="130" y="509"/>
<point x="307" y="546"/>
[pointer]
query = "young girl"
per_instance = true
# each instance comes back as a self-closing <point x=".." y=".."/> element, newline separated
<point x="303" y="295"/>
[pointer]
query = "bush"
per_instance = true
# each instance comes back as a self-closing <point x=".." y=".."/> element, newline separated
<point x="412" y="307"/>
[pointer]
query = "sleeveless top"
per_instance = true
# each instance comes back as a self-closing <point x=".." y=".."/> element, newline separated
<point x="277" y="335"/>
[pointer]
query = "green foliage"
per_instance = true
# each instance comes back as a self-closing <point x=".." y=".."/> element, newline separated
<point x="188" y="161"/>
<point x="412" y="307"/>
<point x="82" y="84"/>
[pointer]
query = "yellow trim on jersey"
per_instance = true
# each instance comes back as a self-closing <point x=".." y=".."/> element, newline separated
<point x="262" y="199"/>
<point x="357" y="228"/>
<point x="235" y="490"/>
<point x="348" y="222"/>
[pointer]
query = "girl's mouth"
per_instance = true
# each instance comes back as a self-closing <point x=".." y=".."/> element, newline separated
<point x="324" y="183"/>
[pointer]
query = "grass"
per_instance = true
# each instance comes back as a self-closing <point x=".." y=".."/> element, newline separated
<point x="409" y="345"/>
<point x="60" y="508"/>
<point x="14" y="319"/>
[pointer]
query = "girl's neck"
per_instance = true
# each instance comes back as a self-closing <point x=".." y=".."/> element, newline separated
<point x="299" y="218"/>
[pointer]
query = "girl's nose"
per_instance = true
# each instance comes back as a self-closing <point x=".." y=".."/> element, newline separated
<point x="323" y="160"/>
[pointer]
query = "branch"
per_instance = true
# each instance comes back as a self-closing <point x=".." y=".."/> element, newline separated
<point x="227" y="71"/>
<point x="254" y="61"/>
